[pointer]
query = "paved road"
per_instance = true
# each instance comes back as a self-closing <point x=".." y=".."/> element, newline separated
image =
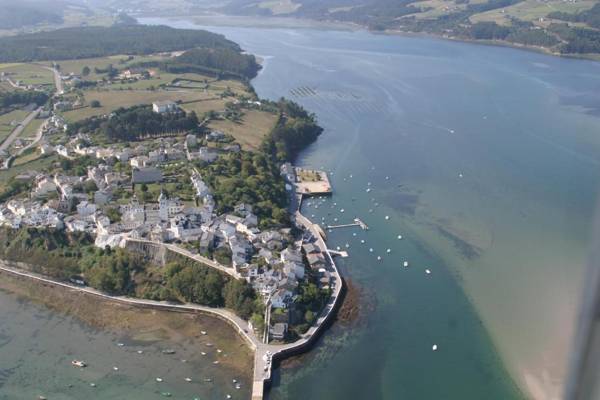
<point x="17" y="131"/>
<point x="57" y="81"/>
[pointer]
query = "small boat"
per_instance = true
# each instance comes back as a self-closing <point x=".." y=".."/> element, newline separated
<point x="219" y="351"/>
<point x="168" y="351"/>
<point x="209" y="344"/>
<point x="203" y="332"/>
<point x="92" y="384"/>
<point x="368" y="190"/>
<point x="338" y="248"/>
<point x="434" y="347"/>
<point x="371" y="250"/>
<point x="362" y="241"/>
<point x="207" y="380"/>
<point x="188" y="379"/>
<point x="203" y="353"/>
<point x="460" y="175"/>
<point x="228" y="396"/>
<point x="427" y="271"/>
<point x="140" y="351"/>
<point x="342" y="210"/>
<point x="115" y="368"/>
<point x="347" y="245"/>
<point x="159" y="380"/>
<point x="238" y="386"/>
<point x="120" y="344"/>
<point x="378" y="258"/>
<point x="399" y="237"/>
<point x="234" y="380"/>
<point x="216" y="362"/>
<point x="405" y="263"/>
<point x="387" y="178"/>
<point x="77" y="363"/>
<point x="387" y="217"/>
<point x="42" y="398"/>
<point x="166" y="394"/>
<point x="388" y="250"/>
<point x="350" y="175"/>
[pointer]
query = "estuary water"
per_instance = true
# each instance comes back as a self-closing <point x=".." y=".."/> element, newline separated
<point x="37" y="346"/>
<point x="486" y="161"/>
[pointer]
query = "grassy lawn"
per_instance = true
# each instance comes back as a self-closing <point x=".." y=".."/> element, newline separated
<point x="29" y="74"/>
<point x="32" y="128"/>
<point x="28" y="157"/>
<point x="531" y="10"/>
<point x="118" y="61"/>
<point x="43" y="164"/>
<point x="113" y="99"/>
<point x="5" y="122"/>
<point x="202" y="106"/>
<point x="251" y="130"/>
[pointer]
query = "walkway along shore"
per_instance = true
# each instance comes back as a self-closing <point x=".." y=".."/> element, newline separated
<point x="264" y="354"/>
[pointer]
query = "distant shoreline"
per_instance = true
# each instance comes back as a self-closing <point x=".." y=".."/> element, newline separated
<point x="304" y="23"/>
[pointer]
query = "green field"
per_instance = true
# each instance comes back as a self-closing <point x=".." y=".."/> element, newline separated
<point x="43" y="164"/>
<point x="29" y="74"/>
<point x="32" y="128"/>
<point x="119" y="62"/>
<point x="5" y="122"/>
<point x="251" y="130"/>
<point x="531" y="10"/>
<point x="113" y="99"/>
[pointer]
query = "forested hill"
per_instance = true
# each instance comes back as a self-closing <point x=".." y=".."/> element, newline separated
<point x="566" y="27"/>
<point x="88" y="42"/>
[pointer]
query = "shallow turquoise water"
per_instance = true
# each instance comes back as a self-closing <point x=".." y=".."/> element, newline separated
<point x="37" y="346"/>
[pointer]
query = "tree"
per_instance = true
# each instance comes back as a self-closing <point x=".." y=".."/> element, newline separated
<point x="95" y="104"/>
<point x="85" y="71"/>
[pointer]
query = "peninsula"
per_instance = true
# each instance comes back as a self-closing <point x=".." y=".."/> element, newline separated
<point x="149" y="173"/>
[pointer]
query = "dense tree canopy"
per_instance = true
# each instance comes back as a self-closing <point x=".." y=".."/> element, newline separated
<point x="96" y="41"/>
<point x="135" y="123"/>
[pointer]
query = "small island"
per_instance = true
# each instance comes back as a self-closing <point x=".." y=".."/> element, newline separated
<point x="145" y="170"/>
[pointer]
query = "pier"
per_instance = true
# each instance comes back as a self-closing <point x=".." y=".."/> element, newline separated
<point x="357" y="222"/>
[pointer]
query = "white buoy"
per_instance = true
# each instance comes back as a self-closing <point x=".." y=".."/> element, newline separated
<point x="350" y="175"/>
<point x="362" y="241"/>
<point x="434" y="347"/>
<point x="353" y="233"/>
<point x="335" y="220"/>
<point x="342" y="210"/>
<point x="427" y="271"/>
<point x="371" y="210"/>
<point x="368" y="190"/>
<point x="460" y="175"/>
<point x="399" y="237"/>
<point x="347" y="245"/>
<point x="379" y="258"/>
<point x="387" y="178"/>
<point x="389" y="250"/>
<point x="371" y="250"/>
<point x="406" y="263"/>
<point x="368" y="183"/>
<point x="387" y="217"/>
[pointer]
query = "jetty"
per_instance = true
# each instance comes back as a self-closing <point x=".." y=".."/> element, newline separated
<point x="357" y="222"/>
